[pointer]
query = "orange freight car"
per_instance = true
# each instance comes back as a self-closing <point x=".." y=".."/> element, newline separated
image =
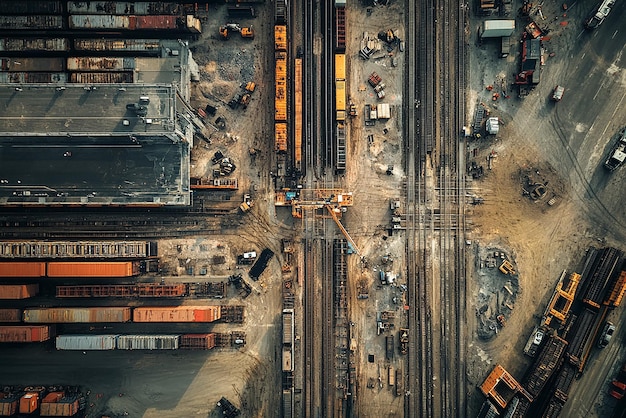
<point x="280" y="144"/>
<point x="18" y="291"/>
<point x="177" y="314"/>
<point x="297" y="124"/>
<point x="10" y="315"/>
<point x="93" y="269"/>
<point x="197" y="341"/>
<point x="26" y="334"/>
<point x="22" y="269"/>
<point x="76" y="315"/>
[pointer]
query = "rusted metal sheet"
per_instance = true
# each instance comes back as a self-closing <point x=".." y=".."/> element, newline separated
<point x="24" y="64"/>
<point x="149" y="45"/>
<point x="122" y="7"/>
<point x="34" y="44"/>
<point x="111" y="77"/>
<point x="23" y="78"/>
<point x="10" y="315"/>
<point x="18" y="291"/>
<point x="31" y="22"/>
<point x="100" y="64"/>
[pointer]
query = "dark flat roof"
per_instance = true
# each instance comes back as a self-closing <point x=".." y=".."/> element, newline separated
<point x="94" y="170"/>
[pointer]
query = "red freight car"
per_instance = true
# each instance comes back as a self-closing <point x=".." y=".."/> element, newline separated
<point x="94" y="269"/>
<point x="18" y="291"/>
<point x="26" y="334"/>
<point x="22" y="269"/>
<point x="177" y="314"/>
<point x="197" y="341"/>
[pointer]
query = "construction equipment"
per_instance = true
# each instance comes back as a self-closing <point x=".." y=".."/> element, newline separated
<point x="246" y="205"/>
<point x="599" y="14"/>
<point x="250" y="86"/>
<point x="246" y="32"/>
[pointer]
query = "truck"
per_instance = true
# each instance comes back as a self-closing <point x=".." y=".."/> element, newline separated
<point x="618" y="153"/>
<point x="599" y="14"/>
<point x="505" y="46"/>
<point x="389" y="349"/>
<point x="246" y="32"/>
<point x="496" y="28"/>
<point x="404" y="340"/>
<point x="557" y="93"/>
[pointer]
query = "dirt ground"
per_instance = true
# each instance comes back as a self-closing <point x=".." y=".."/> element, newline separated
<point x="554" y="142"/>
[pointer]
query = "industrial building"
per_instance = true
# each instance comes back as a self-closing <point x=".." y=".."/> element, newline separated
<point x="99" y="131"/>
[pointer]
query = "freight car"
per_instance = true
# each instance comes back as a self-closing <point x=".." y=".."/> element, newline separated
<point x="123" y="8"/>
<point x="78" y="249"/>
<point x="135" y="22"/>
<point x="60" y="404"/>
<point x="100" y="64"/>
<point x="22" y="269"/>
<point x="102" y="77"/>
<point x="10" y="315"/>
<point x="23" y="64"/>
<point x="18" y="291"/>
<point x="135" y="342"/>
<point x="123" y="291"/>
<point x="94" y="269"/>
<point x="147" y="46"/>
<point x="31" y="22"/>
<point x="26" y="334"/>
<point x="603" y="267"/>
<point x="76" y="315"/>
<point x="288" y="340"/>
<point x="34" y="44"/>
<point x="340" y="25"/>
<point x="297" y="123"/>
<point x="35" y="78"/>
<point x="281" y="12"/>
<point x="177" y="314"/>
<point x="14" y="7"/>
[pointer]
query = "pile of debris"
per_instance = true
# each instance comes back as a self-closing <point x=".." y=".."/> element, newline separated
<point x="498" y="288"/>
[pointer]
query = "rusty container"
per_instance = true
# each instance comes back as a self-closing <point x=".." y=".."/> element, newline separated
<point x="22" y="269"/>
<point x="155" y="22"/>
<point x="93" y="269"/>
<point x="18" y="291"/>
<point x="29" y="402"/>
<point x="76" y="315"/>
<point x="197" y="341"/>
<point x="10" y="315"/>
<point x="26" y="334"/>
<point x="177" y="314"/>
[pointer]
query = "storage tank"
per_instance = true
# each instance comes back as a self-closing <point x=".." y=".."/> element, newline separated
<point x="10" y="315"/>
<point x="18" y="291"/>
<point x="22" y="269"/>
<point x="86" y="342"/>
<point x="76" y="315"/>
<point x="93" y="269"/>
<point x="148" y="342"/>
<point x="26" y="334"/>
<point x="197" y="341"/>
<point x="177" y="314"/>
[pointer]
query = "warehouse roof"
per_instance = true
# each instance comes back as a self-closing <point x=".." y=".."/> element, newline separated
<point x="83" y="109"/>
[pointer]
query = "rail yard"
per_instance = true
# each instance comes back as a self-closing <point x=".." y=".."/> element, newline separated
<point x="291" y="208"/>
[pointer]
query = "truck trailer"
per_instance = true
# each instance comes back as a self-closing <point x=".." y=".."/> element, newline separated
<point x="496" y="28"/>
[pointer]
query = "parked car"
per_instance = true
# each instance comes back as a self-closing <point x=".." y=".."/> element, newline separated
<point x="557" y="93"/>
<point x="607" y="333"/>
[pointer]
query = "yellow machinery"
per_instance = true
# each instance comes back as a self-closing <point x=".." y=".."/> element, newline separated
<point x="333" y="200"/>
<point x="562" y="298"/>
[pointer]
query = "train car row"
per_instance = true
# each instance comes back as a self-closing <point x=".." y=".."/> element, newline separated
<point x="150" y="314"/>
<point x="215" y="290"/>
<point x="13" y="7"/>
<point x="103" y="22"/>
<point x="69" y="269"/>
<point x="135" y="342"/>
<point x="280" y="102"/>
<point x="78" y="249"/>
<point x="142" y="46"/>
<point x="340" y="87"/>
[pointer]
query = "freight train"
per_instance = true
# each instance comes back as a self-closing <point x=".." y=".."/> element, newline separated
<point x="340" y="87"/>
<point x="159" y="314"/>
<point x="78" y="249"/>
<point x="135" y="342"/>
<point x="143" y="290"/>
<point x="70" y="269"/>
